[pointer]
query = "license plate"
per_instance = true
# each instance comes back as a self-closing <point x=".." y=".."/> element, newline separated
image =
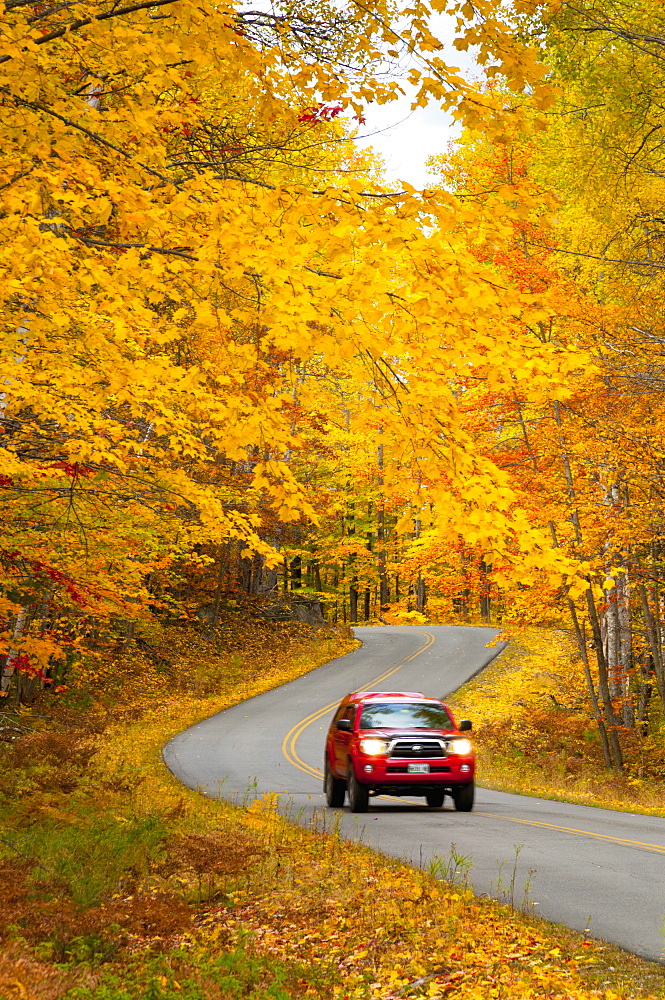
<point x="418" y="769"/>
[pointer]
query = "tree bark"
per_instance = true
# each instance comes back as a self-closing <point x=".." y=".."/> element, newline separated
<point x="421" y="595"/>
<point x="626" y="647"/>
<point x="214" y="618"/>
<point x="296" y="573"/>
<point x="654" y="642"/>
<point x="485" y="596"/>
<point x="581" y="645"/>
<point x="384" y="587"/>
<point x="609" y="625"/>
<point x="611" y="720"/>
<point x="14" y="651"/>
<point x="420" y="588"/>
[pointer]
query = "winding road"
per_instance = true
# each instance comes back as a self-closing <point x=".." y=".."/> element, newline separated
<point x="588" y="868"/>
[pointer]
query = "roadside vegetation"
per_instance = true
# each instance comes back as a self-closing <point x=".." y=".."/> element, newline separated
<point x="118" y="883"/>
<point x="536" y="735"/>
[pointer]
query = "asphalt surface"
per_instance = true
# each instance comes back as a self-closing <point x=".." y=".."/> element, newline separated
<point x="591" y="869"/>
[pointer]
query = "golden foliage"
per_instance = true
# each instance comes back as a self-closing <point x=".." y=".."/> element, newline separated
<point x="536" y="734"/>
<point x="192" y="268"/>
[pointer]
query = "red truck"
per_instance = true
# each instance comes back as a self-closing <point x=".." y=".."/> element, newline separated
<point x="397" y="743"/>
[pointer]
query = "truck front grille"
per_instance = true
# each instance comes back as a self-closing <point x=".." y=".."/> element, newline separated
<point x="415" y="749"/>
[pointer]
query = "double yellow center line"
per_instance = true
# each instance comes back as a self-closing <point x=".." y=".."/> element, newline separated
<point x="293" y="735"/>
<point x="624" y="841"/>
<point x="289" y="751"/>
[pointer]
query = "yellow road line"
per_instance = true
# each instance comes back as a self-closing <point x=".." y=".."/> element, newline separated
<point x="583" y="833"/>
<point x="291" y="738"/>
<point x="291" y="754"/>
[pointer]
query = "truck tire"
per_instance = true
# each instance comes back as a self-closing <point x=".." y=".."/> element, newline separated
<point x="358" y="794"/>
<point x="463" y="797"/>
<point x="334" y="788"/>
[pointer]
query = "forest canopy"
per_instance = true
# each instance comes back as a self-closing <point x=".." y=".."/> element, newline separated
<point x="237" y="361"/>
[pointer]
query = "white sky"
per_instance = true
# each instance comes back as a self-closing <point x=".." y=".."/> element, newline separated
<point x="405" y="138"/>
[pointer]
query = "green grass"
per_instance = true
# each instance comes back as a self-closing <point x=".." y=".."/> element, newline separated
<point x="187" y="975"/>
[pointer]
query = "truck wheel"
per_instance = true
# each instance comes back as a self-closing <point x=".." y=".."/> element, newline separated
<point x="334" y="788"/>
<point x="358" y="794"/>
<point x="463" y="797"/>
<point x="435" y="799"/>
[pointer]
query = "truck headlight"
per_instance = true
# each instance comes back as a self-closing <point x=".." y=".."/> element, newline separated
<point x="373" y="747"/>
<point x="462" y="747"/>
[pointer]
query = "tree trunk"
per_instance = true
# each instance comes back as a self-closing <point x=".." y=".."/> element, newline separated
<point x="654" y="642"/>
<point x="14" y="652"/>
<point x="603" y="684"/>
<point x="421" y="595"/>
<point x="611" y="720"/>
<point x="296" y="573"/>
<point x="644" y="696"/>
<point x="609" y="624"/>
<point x="626" y="647"/>
<point x="353" y="589"/>
<point x="222" y="554"/>
<point x="353" y="601"/>
<point x="581" y="645"/>
<point x="384" y="587"/>
<point x="568" y="472"/>
<point x="485" y="595"/>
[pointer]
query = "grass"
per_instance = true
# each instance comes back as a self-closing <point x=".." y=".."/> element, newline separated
<point x="131" y="886"/>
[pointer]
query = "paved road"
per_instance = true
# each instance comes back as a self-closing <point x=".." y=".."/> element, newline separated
<point x="580" y="866"/>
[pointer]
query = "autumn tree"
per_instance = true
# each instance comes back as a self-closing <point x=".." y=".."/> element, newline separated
<point x="585" y="465"/>
<point x="186" y="245"/>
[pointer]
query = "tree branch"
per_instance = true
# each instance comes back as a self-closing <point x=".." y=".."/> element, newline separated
<point x="36" y="106"/>
<point x="83" y="21"/>
<point x="134" y="246"/>
<point x="594" y="256"/>
<point x="323" y="274"/>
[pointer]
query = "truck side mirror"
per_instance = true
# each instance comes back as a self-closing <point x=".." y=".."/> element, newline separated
<point x="464" y="725"/>
<point x="344" y="725"/>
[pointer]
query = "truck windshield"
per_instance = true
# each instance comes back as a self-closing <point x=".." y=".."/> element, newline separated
<point x="405" y="716"/>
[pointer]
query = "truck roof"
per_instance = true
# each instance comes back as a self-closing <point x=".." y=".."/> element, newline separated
<point x="384" y="695"/>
